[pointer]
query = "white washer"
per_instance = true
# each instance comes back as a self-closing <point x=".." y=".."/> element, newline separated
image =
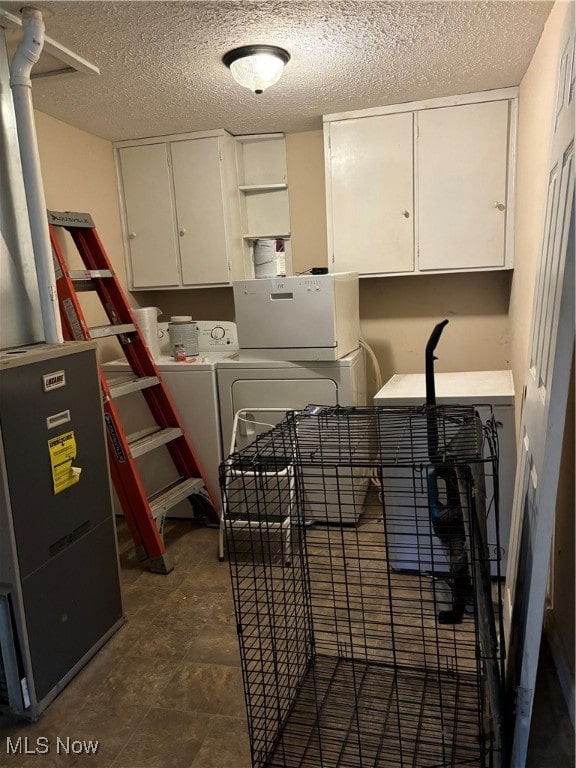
<point x="193" y="388"/>
<point x="245" y="384"/>
<point x="483" y="389"/>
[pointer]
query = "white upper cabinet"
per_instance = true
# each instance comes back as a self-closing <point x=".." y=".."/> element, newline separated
<point x="462" y="176"/>
<point x="371" y="188"/>
<point x="150" y="232"/>
<point x="422" y="187"/>
<point x="180" y="211"/>
<point x="200" y="211"/>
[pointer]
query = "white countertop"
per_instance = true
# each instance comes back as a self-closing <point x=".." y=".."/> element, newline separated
<point x="491" y="387"/>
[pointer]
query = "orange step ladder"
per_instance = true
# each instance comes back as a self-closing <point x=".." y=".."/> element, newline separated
<point x="143" y="515"/>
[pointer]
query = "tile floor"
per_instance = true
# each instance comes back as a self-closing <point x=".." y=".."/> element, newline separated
<point x="166" y="691"/>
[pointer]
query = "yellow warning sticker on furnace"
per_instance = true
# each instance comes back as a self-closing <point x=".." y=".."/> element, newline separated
<point x="62" y="451"/>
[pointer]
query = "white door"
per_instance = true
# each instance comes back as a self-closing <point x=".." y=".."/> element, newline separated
<point x="196" y="167"/>
<point x="370" y="194"/>
<point x="542" y="426"/>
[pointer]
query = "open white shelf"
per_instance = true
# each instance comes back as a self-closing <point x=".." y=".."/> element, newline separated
<point x="263" y="187"/>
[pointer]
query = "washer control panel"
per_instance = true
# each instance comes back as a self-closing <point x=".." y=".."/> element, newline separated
<point x="217" y="338"/>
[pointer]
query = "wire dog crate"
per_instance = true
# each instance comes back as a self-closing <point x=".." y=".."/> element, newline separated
<point x="368" y="624"/>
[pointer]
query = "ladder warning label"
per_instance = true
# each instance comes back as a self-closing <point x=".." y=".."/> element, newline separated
<point x="73" y="319"/>
<point x="62" y="450"/>
<point x="114" y="439"/>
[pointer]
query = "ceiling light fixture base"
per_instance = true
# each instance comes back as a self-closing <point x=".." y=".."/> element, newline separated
<point x="256" y="67"/>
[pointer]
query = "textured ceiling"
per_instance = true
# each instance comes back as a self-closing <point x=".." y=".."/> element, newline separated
<point x="161" y="68"/>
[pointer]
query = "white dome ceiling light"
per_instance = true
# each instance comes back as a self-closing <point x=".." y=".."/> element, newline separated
<point x="256" y="67"/>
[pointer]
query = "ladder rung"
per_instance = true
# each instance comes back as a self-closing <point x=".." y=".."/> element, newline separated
<point x="141" y="444"/>
<point x="132" y="384"/>
<point x="100" y="331"/>
<point x="175" y="493"/>
<point x="82" y="275"/>
<point x="167" y="431"/>
<point x="83" y="279"/>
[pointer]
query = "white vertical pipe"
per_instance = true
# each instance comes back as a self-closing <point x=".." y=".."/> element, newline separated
<point x="27" y="54"/>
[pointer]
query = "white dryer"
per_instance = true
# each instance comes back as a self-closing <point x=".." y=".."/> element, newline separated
<point x="261" y="384"/>
<point x="192" y="386"/>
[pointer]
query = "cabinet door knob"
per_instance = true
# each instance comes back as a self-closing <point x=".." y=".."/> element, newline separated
<point x="406" y="213"/>
<point x="500" y="206"/>
<point x="132" y="235"/>
<point x="182" y="232"/>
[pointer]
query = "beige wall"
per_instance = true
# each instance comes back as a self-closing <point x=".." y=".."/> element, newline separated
<point x="202" y="304"/>
<point x="399" y="313"/>
<point x="305" y="161"/>
<point x="79" y="175"/>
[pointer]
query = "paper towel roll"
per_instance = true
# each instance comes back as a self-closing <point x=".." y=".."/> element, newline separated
<point x="147" y="319"/>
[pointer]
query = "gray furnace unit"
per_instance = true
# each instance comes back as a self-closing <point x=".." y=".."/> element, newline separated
<point x="60" y="595"/>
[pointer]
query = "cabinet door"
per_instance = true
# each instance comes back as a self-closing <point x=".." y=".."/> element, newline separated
<point x="200" y="211"/>
<point x="370" y="194"/>
<point x="148" y="205"/>
<point x="462" y="157"/>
